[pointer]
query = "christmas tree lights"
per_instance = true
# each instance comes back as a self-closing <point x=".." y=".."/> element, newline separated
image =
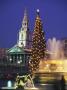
<point x="38" y="45"/>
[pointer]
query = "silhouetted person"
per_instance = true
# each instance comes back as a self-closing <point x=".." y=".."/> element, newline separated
<point x="62" y="83"/>
<point x="56" y="85"/>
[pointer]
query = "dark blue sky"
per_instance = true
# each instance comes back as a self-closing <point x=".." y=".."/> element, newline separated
<point x="52" y="12"/>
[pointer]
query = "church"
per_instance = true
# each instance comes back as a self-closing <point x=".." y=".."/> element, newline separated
<point x="19" y="54"/>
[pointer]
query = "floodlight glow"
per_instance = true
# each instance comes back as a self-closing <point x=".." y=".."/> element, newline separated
<point x="9" y="84"/>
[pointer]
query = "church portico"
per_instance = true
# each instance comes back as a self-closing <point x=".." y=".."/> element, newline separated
<point x="18" y="58"/>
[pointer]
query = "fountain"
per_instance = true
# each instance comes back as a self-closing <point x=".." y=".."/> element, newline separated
<point x="26" y="82"/>
<point x="55" y="62"/>
<point x="55" y="65"/>
<point x="29" y="83"/>
<point x="56" y="52"/>
<point x="55" y="48"/>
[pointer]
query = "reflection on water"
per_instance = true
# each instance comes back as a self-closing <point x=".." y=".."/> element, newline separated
<point x="3" y="83"/>
<point x="45" y="87"/>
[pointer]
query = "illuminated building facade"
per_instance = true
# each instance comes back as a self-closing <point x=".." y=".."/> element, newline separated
<point x="19" y="54"/>
<point x="17" y="57"/>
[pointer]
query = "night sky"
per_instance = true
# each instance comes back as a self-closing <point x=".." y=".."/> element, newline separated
<point x="53" y="14"/>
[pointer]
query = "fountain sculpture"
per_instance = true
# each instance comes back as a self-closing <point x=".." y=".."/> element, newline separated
<point x="25" y="81"/>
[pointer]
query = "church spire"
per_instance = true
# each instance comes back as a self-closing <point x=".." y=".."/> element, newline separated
<point x="23" y="33"/>
<point x="25" y="21"/>
<point x="25" y="12"/>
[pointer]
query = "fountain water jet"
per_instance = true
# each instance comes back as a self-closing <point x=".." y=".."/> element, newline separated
<point x="56" y="61"/>
<point x="55" y="49"/>
<point x="25" y="81"/>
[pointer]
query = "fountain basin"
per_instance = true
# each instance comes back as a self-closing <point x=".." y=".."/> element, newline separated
<point x="13" y="88"/>
<point x="31" y="88"/>
<point x="55" y="65"/>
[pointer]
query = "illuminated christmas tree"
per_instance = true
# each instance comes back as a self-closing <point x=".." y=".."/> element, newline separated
<point x="38" y="45"/>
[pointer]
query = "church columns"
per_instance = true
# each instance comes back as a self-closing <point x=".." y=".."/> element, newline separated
<point x="24" y="59"/>
<point x="10" y="58"/>
<point x="14" y="59"/>
<point x="21" y="59"/>
<point x="18" y="58"/>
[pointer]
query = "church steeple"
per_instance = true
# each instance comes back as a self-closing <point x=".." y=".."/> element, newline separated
<point x="23" y="33"/>
<point x="25" y="21"/>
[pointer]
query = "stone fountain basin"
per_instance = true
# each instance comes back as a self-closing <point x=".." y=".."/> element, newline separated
<point x="31" y="88"/>
<point x="13" y="88"/>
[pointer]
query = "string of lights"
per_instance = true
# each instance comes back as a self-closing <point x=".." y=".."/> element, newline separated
<point x="38" y="45"/>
